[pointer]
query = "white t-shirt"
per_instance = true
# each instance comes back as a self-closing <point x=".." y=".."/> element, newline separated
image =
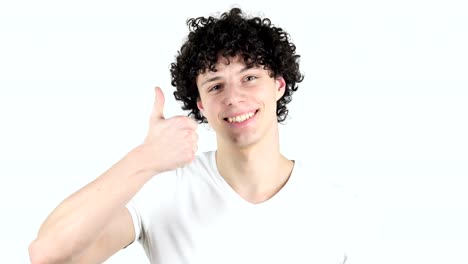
<point x="192" y="215"/>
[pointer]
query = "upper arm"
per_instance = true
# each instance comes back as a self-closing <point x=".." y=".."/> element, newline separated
<point x="118" y="234"/>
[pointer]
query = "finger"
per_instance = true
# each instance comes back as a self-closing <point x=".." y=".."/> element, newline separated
<point x="191" y="135"/>
<point x="195" y="137"/>
<point x="192" y="124"/>
<point x="158" y="107"/>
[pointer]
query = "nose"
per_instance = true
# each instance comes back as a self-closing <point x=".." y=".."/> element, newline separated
<point x="233" y="94"/>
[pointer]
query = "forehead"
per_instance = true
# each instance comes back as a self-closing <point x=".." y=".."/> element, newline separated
<point x="224" y="62"/>
<point x="235" y="63"/>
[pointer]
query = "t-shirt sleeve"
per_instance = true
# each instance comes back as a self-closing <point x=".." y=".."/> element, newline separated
<point x="149" y="203"/>
<point x="135" y="214"/>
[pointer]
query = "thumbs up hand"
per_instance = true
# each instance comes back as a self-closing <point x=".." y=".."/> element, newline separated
<point x="170" y="143"/>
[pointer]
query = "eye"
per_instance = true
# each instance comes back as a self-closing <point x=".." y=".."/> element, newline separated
<point x="250" y="78"/>
<point x="214" y="88"/>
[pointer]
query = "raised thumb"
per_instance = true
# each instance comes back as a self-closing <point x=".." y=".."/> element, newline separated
<point x="158" y="108"/>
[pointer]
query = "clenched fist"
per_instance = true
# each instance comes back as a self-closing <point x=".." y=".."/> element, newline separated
<point x="170" y="143"/>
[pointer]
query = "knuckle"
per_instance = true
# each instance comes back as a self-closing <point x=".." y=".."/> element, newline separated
<point x="188" y="146"/>
<point x="176" y="119"/>
<point x="183" y="120"/>
<point x="191" y="135"/>
<point x="179" y="119"/>
<point x="189" y="156"/>
<point x="194" y="124"/>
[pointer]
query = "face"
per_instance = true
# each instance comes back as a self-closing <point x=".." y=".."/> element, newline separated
<point x="239" y="102"/>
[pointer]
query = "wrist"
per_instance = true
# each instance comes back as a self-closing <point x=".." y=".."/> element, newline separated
<point x="143" y="160"/>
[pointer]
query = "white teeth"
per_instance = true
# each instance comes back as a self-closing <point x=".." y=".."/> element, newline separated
<point x="240" y="118"/>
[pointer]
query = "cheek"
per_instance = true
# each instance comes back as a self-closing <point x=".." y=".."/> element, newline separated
<point x="209" y="110"/>
<point x="269" y="97"/>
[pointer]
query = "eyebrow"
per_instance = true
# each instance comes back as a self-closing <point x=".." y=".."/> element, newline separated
<point x="216" y="78"/>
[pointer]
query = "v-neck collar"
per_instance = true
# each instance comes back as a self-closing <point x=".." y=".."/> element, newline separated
<point x="238" y="199"/>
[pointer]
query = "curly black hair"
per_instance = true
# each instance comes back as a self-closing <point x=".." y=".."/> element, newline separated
<point x="255" y="39"/>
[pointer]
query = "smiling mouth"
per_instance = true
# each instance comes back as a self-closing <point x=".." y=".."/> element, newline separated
<point x="240" y="118"/>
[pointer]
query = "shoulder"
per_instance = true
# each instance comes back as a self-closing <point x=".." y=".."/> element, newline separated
<point x="162" y="189"/>
<point x="321" y="188"/>
<point x="204" y="162"/>
<point x="308" y="175"/>
<point x="165" y="183"/>
<point x="351" y="213"/>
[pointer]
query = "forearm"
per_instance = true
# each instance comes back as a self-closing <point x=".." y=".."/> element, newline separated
<point x="80" y="218"/>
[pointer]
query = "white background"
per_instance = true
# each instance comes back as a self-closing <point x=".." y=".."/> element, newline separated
<point x="383" y="108"/>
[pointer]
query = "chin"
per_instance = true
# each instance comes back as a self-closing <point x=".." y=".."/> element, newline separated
<point x="244" y="141"/>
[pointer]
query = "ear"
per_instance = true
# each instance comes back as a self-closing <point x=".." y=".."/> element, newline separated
<point x="280" y="87"/>
<point x="200" y="106"/>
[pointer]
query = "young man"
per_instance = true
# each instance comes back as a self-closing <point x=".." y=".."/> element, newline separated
<point x="244" y="202"/>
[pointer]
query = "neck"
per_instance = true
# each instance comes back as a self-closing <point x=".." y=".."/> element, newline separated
<point x="255" y="172"/>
